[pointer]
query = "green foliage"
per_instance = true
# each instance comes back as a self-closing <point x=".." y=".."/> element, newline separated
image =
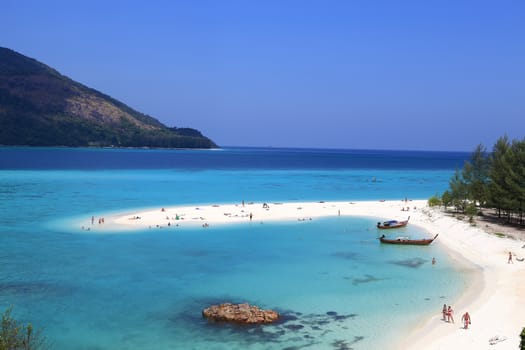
<point x="434" y="201"/>
<point x="475" y="174"/>
<point x="522" y="343"/>
<point x="507" y="189"/>
<point x="15" y="336"/>
<point x="470" y="185"/>
<point x="471" y="211"/>
<point x="496" y="180"/>
<point x="458" y="191"/>
<point x="446" y="199"/>
<point x="499" y="190"/>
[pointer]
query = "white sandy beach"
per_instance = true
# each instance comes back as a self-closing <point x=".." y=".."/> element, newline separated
<point x="496" y="302"/>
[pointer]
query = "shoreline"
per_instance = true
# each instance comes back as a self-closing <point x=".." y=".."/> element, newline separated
<point x="495" y="300"/>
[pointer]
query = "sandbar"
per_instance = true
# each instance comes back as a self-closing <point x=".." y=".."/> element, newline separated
<point x="495" y="301"/>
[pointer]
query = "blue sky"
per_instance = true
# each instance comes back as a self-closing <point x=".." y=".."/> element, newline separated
<point x="417" y="75"/>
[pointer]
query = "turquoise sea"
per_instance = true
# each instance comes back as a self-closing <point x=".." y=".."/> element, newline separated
<point x="335" y="285"/>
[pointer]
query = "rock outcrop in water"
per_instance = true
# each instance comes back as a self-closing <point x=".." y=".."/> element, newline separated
<point x="239" y="313"/>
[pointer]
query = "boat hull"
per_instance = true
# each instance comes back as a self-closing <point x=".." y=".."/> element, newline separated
<point x="404" y="241"/>
<point x="392" y="224"/>
<point x="398" y="225"/>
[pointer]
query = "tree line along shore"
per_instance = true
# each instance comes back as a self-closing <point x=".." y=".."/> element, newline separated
<point x="491" y="181"/>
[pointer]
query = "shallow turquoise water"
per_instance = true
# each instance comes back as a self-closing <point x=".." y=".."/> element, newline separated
<point x="331" y="279"/>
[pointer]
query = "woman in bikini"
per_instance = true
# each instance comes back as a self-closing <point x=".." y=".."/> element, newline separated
<point x="450" y="314"/>
<point x="466" y="320"/>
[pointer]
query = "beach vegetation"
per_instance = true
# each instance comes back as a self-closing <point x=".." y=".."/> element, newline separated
<point x="471" y="211"/>
<point x="458" y="191"/>
<point x="494" y="180"/>
<point x="507" y="187"/>
<point x="446" y="199"/>
<point x="475" y="175"/>
<point x="434" y="201"/>
<point x="16" y="336"/>
<point x="522" y="343"/>
<point x="499" y="189"/>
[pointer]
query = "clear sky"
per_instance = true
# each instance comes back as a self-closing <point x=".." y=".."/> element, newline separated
<point x="417" y="75"/>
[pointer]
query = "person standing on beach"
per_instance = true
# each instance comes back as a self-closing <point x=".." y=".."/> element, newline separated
<point x="444" y="312"/>
<point x="466" y="320"/>
<point x="510" y="259"/>
<point x="450" y="314"/>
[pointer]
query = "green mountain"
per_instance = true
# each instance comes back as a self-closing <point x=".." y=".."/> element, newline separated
<point x="41" y="107"/>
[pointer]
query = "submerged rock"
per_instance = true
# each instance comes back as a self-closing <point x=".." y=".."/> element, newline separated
<point x="239" y="313"/>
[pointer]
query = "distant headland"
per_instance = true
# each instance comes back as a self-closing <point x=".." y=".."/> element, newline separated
<point x="41" y="107"/>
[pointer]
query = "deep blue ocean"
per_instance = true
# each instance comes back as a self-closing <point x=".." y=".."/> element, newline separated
<point x="332" y="281"/>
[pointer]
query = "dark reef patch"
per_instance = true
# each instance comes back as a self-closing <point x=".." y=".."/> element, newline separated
<point x="412" y="263"/>
<point x="293" y="327"/>
<point x="345" y="344"/>
<point x="294" y="330"/>
<point x="366" y="279"/>
<point x="34" y="288"/>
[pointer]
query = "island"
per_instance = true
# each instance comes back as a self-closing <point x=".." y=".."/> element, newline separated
<point x="41" y="107"/>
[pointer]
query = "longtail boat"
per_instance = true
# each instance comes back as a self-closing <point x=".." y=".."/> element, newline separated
<point x="407" y="241"/>
<point x="392" y="224"/>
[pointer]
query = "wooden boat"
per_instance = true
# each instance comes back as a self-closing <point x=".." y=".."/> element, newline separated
<point x="392" y="224"/>
<point x="407" y="241"/>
